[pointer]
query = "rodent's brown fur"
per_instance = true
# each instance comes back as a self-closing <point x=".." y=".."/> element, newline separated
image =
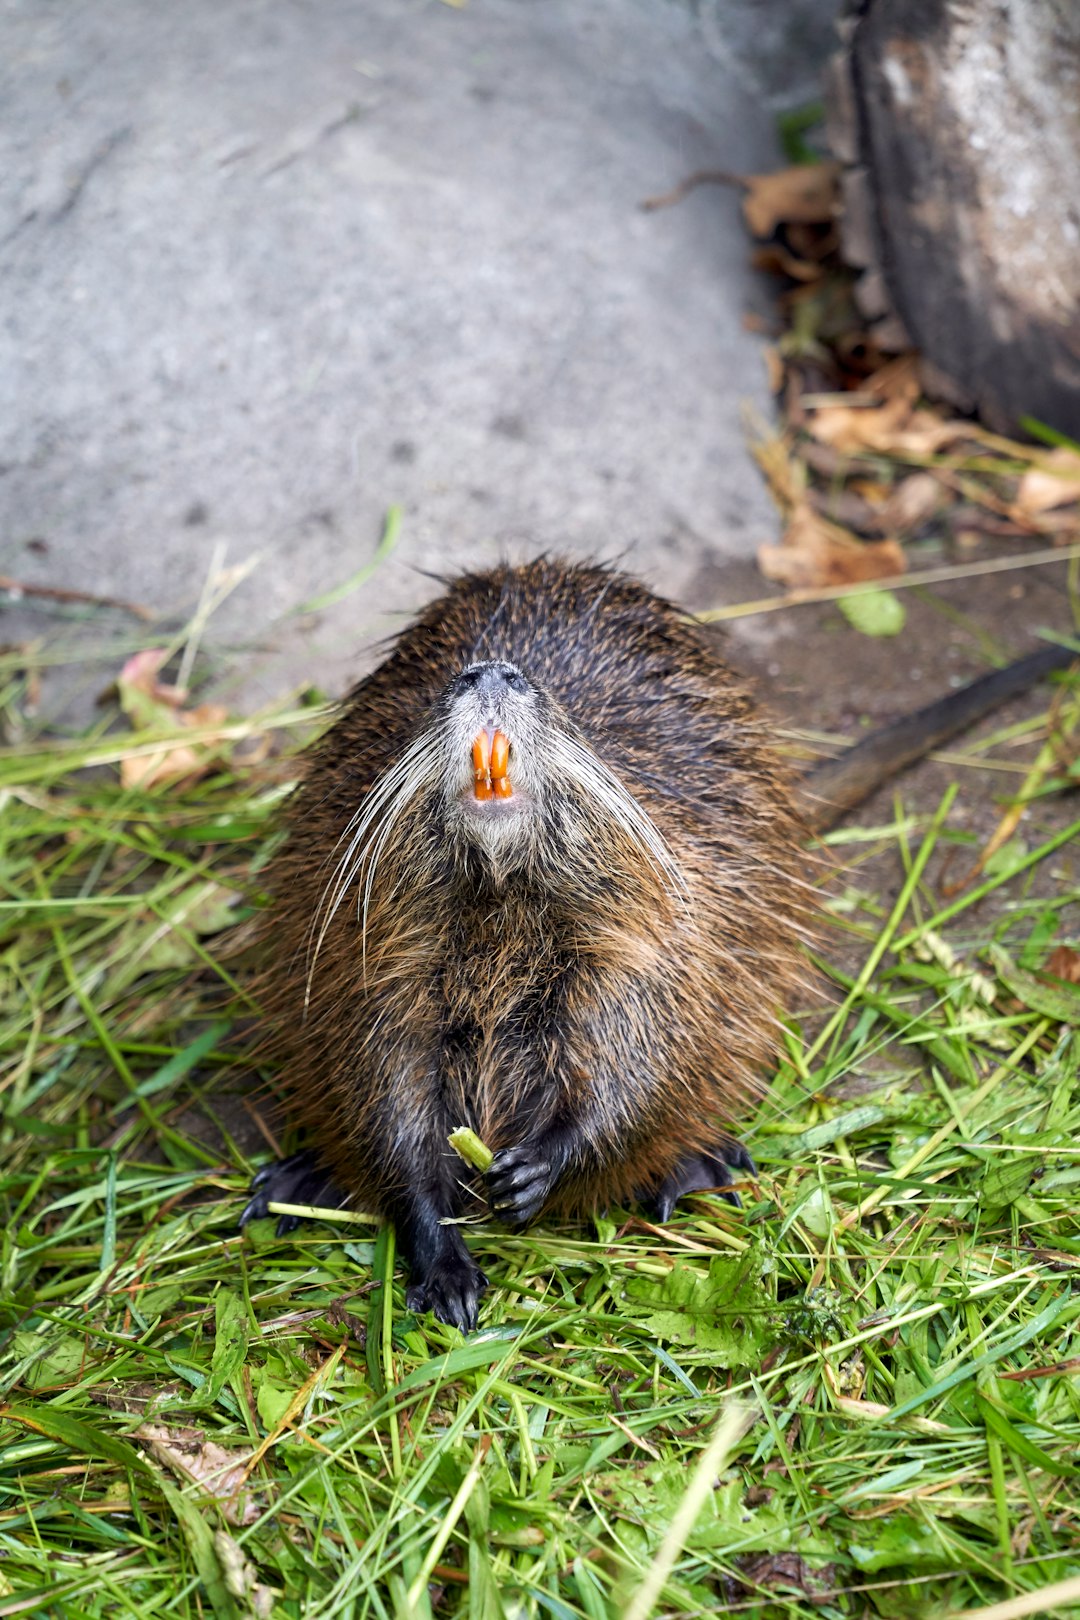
<point x="588" y="995"/>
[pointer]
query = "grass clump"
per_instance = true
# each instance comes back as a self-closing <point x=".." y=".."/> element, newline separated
<point x="860" y="1395"/>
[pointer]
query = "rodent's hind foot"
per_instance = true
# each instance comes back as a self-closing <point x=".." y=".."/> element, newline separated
<point x="699" y="1172"/>
<point x="299" y="1179"/>
<point x="452" y="1291"/>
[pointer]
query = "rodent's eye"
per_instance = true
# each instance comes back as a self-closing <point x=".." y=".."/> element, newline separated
<point x="516" y="682"/>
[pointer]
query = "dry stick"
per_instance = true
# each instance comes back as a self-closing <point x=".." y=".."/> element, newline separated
<point x="54" y="593"/>
<point x="700" y="177"/>
<point x="925" y="576"/>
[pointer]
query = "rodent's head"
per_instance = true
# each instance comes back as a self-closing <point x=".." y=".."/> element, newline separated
<point x="521" y="786"/>
<point x="508" y="785"/>
<point x="498" y="742"/>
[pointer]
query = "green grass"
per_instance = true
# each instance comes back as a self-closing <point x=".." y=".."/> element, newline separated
<point x="858" y="1396"/>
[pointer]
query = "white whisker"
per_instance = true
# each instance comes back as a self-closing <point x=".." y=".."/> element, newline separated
<point x="580" y="764"/>
<point x="367" y="833"/>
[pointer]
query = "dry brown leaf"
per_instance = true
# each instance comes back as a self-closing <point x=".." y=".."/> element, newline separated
<point x="894" y="425"/>
<point x="775" y="259"/>
<point x="1056" y="482"/>
<point x="784" y="473"/>
<point x="912" y="502"/>
<point x="242" y="1578"/>
<point x="871" y="490"/>
<point x="814" y="552"/>
<point x="856" y="427"/>
<point x="925" y="432"/>
<point x="805" y="194"/>
<point x="220" y="1473"/>
<point x="1064" y="963"/>
<point x="899" y="379"/>
<point x="788" y="1571"/>
<point x="851" y="428"/>
<point x="139" y="679"/>
<point x="150" y="702"/>
<point x="178" y="761"/>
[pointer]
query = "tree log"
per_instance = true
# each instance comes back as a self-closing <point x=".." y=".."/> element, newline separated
<point x="958" y="122"/>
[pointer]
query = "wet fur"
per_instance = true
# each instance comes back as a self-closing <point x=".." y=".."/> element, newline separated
<point x="599" y="1015"/>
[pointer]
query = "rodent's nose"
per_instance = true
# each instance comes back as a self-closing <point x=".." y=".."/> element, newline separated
<point x="491" y="681"/>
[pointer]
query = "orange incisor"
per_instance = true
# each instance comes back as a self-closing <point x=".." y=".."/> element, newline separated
<point x="490" y="757"/>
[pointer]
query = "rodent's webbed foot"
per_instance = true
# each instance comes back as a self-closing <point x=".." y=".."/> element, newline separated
<point x="299" y="1179"/>
<point x="451" y="1290"/>
<point x="519" y="1182"/>
<point x="700" y="1172"/>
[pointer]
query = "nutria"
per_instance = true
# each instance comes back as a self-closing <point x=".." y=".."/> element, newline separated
<point x="543" y="878"/>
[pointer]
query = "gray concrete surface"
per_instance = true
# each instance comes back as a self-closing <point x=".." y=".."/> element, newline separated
<point x="271" y="266"/>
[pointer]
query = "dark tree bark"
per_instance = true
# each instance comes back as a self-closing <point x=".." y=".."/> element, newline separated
<point x="958" y="122"/>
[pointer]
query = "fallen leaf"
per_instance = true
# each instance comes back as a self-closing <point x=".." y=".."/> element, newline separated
<point x="241" y="1577"/>
<point x="925" y="432"/>
<point x="788" y="1571"/>
<point x="874" y="613"/>
<point x="805" y="194"/>
<point x="858" y="427"/>
<point x="774" y="369"/>
<point x="220" y="1473"/>
<point x="151" y="703"/>
<point x="872" y="490"/>
<point x="899" y="379"/>
<point x="912" y="502"/>
<point x="774" y="258"/>
<point x="142" y="695"/>
<point x="1050" y="1001"/>
<point x="814" y="552"/>
<point x="179" y="761"/>
<point x="1064" y="963"/>
<point x="1055" y="482"/>
<point x="887" y="418"/>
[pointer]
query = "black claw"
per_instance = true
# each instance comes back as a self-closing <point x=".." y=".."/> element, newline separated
<point x="700" y="1172"/>
<point x="737" y="1157"/>
<point x="452" y="1293"/>
<point x="518" y="1184"/>
<point x="300" y="1179"/>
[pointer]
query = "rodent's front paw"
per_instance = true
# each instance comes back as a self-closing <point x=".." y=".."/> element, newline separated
<point x="518" y="1183"/>
<point x="452" y="1291"/>
<point x="300" y="1179"/>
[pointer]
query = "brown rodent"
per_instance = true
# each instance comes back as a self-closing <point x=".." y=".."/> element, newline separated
<point x="578" y="946"/>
